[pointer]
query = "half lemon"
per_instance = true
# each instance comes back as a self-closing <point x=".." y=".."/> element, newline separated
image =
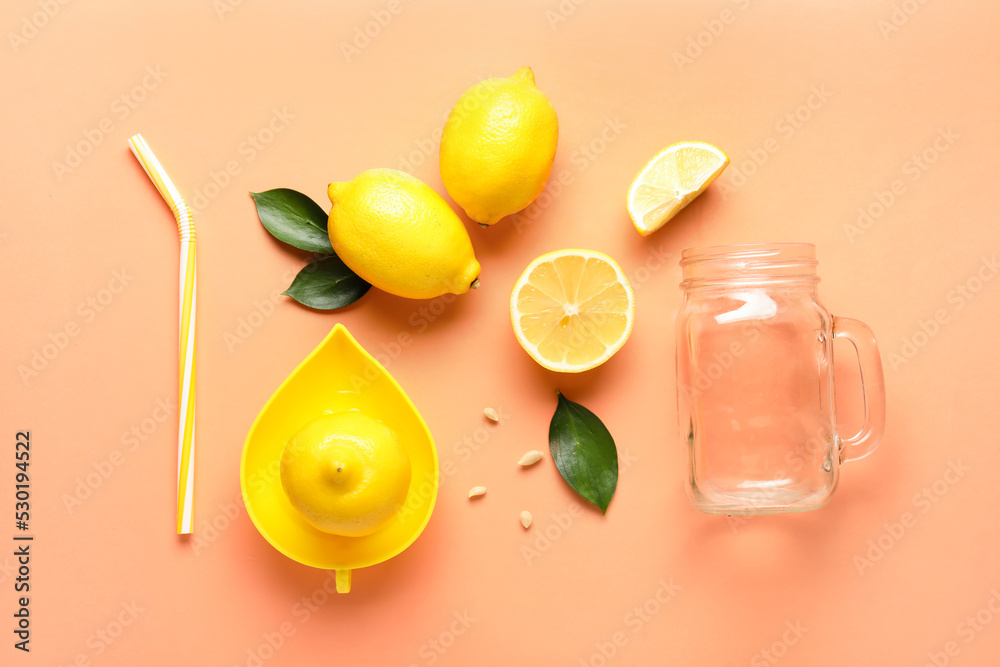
<point x="572" y="309"/>
<point x="671" y="181"/>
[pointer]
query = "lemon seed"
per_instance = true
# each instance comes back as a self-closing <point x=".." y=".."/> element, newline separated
<point x="530" y="458"/>
<point x="477" y="491"/>
<point x="492" y="415"/>
<point x="526" y="518"/>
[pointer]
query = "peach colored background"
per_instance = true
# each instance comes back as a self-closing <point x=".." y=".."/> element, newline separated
<point x="112" y="584"/>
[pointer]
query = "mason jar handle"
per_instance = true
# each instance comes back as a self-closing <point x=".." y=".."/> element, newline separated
<point x="864" y="442"/>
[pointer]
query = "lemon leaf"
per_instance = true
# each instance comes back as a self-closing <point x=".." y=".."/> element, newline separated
<point x="584" y="452"/>
<point x="294" y="218"/>
<point x="327" y="284"/>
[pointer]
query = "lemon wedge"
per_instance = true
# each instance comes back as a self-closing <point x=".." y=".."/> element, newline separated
<point x="572" y="310"/>
<point x="671" y="181"/>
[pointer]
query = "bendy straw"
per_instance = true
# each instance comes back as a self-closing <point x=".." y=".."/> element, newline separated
<point x="188" y="280"/>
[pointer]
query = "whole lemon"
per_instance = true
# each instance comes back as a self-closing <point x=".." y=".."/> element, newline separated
<point x="394" y="231"/>
<point x="498" y="145"/>
<point x="346" y="473"/>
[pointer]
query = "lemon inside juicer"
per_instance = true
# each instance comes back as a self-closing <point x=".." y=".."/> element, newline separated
<point x="339" y="375"/>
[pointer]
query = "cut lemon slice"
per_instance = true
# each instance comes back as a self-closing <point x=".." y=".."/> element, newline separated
<point x="572" y="309"/>
<point x="671" y="181"/>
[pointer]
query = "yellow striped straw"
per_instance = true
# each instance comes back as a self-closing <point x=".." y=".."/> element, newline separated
<point x="188" y="300"/>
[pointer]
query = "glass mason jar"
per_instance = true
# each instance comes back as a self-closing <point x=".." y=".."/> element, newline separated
<point x="755" y="381"/>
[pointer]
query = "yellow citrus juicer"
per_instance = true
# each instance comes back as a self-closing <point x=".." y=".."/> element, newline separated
<point x="338" y="375"/>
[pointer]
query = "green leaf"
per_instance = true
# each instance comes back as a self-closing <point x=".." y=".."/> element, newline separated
<point x="327" y="284"/>
<point x="294" y="218"/>
<point x="584" y="452"/>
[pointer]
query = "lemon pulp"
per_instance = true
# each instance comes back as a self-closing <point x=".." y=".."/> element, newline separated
<point x="671" y="181"/>
<point x="572" y="309"/>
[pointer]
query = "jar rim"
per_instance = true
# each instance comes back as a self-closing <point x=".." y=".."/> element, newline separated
<point x="767" y="251"/>
<point x="747" y="264"/>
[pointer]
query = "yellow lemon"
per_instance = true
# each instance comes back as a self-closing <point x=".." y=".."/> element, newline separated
<point x="498" y="145"/>
<point x="671" y="181"/>
<point x="572" y="309"/>
<point x="394" y="231"/>
<point x="346" y="473"/>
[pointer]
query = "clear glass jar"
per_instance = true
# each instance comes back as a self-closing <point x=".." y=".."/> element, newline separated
<point x="755" y="381"/>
